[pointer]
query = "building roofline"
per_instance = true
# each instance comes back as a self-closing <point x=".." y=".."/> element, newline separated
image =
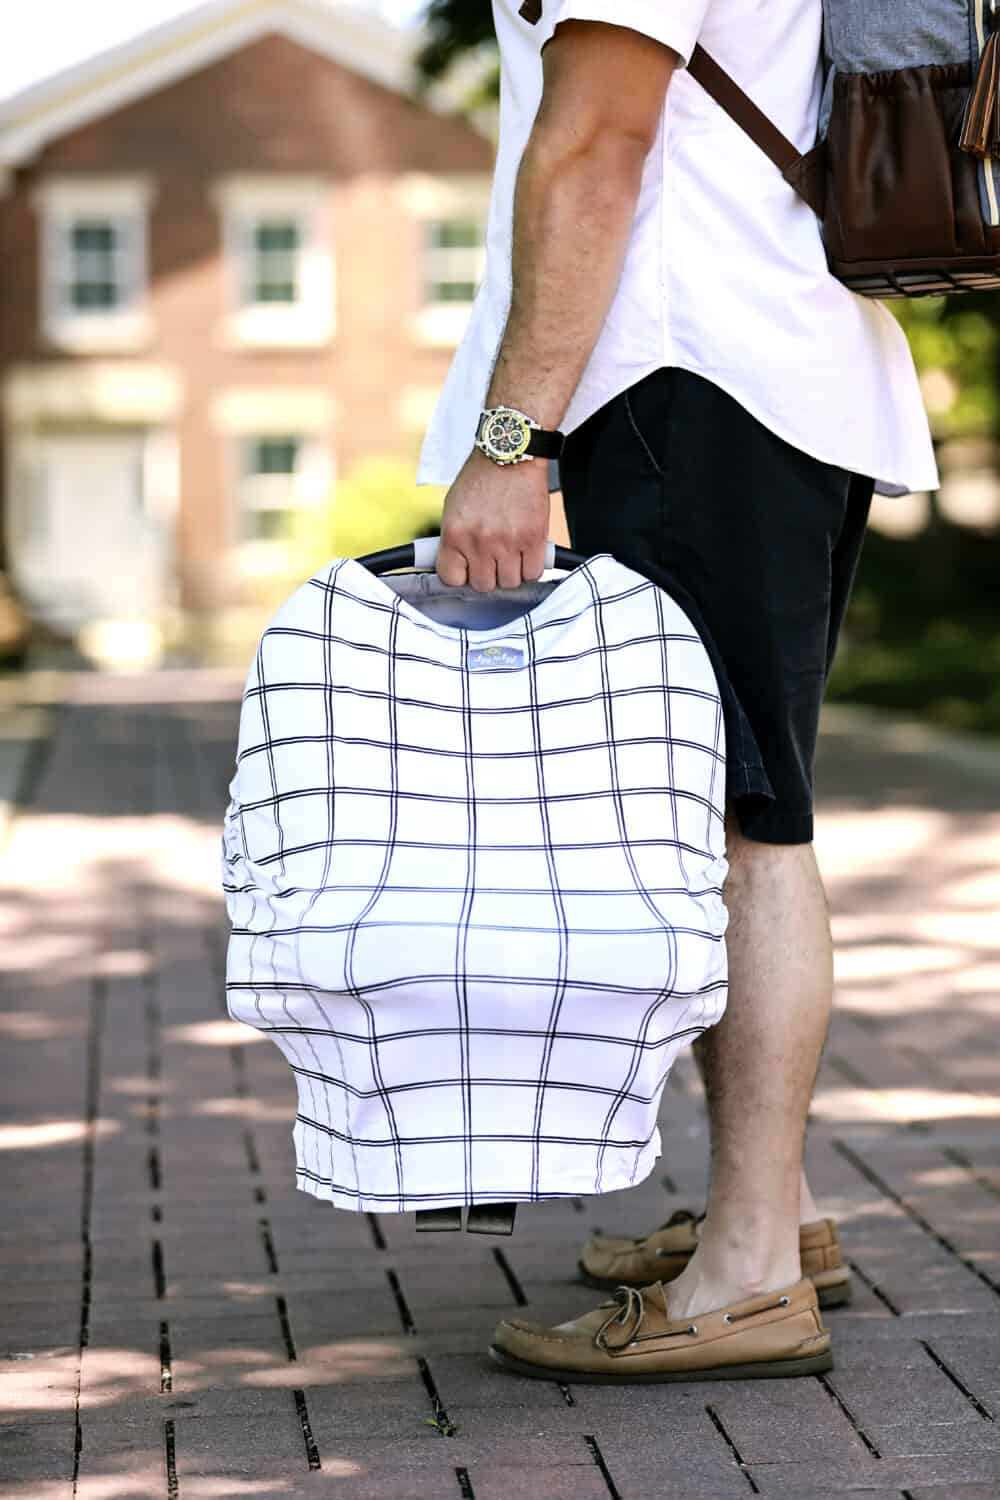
<point x="74" y="96"/>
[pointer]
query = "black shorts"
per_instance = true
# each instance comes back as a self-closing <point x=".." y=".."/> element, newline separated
<point x="675" y="477"/>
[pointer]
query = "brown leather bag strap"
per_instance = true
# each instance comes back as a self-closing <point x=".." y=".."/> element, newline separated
<point x="740" y="107"/>
<point x="804" y="173"/>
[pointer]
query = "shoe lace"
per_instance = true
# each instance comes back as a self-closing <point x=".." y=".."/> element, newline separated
<point x="682" y="1216"/>
<point x="631" y="1309"/>
<point x="630" y="1306"/>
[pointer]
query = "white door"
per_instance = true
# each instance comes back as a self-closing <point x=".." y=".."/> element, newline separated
<point x="85" y="546"/>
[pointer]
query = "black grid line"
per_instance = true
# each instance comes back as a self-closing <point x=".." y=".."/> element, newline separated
<point x="629" y="845"/>
<point x="561" y="967"/>
<point x="885" y="1188"/>
<point x="979" y="1407"/>
<point x="875" y="1289"/>
<point x="600" y="1464"/>
<point x="302" y="1412"/>
<point x="839" y="1401"/>
<point x="170" y="1460"/>
<point x="717" y="1423"/>
<point x="95" y="1041"/>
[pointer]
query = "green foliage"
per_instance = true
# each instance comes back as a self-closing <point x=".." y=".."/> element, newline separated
<point x="454" y="28"/>
<point x="949" y="674"/>
<point x="956" y="345"/>
<point x="923" y="630"/>
<point x="443" y="1426"/>
<point x="375" y="505"/>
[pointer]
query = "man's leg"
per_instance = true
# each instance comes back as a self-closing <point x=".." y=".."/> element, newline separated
<point x="761" y="1062"/>
<point x="764" y="539"/>
<point x="780" y="532"/>
<point x="703" y="1052"/>
<point x="739" y="1308"/>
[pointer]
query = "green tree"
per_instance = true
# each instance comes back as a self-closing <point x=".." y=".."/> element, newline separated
<point x="454" y="28"/>
<point x="375" y="505"/>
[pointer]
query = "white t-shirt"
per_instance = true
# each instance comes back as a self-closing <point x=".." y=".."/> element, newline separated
<point x="725" y="272"/>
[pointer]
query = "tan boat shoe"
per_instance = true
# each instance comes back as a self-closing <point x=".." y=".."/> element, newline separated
<point x="632" y="1338"/>
<point x="609" y="1261"/>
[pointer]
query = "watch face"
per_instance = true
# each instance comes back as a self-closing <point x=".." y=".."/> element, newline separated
<point x="506" y="434"/>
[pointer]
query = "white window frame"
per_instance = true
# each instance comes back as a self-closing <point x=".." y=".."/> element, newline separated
<point x="262" y="491"/>
<point x="244" y="201"/>
<point x="64" y="202"/>
<point x="441" y="199"/>
<point x="458" y="263"/>
<point x="311" y="487"/>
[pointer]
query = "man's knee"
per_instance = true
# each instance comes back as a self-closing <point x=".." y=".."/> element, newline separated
<point x="741" y="845"/>
<point x="749" y="857"/>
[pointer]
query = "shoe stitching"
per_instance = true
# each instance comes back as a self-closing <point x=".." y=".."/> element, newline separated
<point x="629" y="1350"/>
<point x="567" y="1342"/>
<point x="728" y="1317"/>
<point x="716" y="1337"/>
<point x="631" y="1303"/>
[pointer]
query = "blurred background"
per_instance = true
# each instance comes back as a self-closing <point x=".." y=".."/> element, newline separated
<point x="240" y="242"/>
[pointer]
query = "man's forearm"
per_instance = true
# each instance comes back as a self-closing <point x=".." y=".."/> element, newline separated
<point x="573" y="214"/>
<point x="578" y="185"/>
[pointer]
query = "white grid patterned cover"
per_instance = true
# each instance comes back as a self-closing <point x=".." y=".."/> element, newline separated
<point x="479" y="911"/>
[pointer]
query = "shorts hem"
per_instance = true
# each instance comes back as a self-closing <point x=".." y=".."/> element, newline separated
<point x="773" y="825"/>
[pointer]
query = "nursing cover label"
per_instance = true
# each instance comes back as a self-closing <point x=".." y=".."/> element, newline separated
<point x="478" y="657"/>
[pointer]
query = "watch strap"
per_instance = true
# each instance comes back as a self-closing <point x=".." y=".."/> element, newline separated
<point x="545" y="444"/>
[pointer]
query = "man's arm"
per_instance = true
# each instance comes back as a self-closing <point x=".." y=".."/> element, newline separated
<point x="575" y="201"/>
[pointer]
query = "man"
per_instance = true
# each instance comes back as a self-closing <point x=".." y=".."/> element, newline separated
<point x="655" y="290"/>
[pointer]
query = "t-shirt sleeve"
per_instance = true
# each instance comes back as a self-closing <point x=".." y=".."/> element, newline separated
<point x="676" y="23"/>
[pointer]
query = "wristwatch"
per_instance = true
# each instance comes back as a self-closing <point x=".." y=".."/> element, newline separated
<point x="509" y="436"/>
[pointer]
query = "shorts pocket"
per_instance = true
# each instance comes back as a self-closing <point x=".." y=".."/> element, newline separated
<point x="646" y="410"/>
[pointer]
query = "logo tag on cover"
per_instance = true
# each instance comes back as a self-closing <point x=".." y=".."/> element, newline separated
<point x="479" y="657"/>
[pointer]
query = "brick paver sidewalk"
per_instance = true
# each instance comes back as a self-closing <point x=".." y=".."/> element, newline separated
<point x="179" y="1322"/>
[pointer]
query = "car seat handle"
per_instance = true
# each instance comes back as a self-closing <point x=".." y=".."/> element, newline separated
<point x="422" y="555"/>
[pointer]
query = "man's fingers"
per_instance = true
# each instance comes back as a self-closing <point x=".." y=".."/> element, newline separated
<point x="488" y="568"/>
<point x="483" y="572"/>
<point x="452" y="566"/>
<point x="533" y="561"/>
<point x="492" y="526"/>
<point x="509" y="570"/>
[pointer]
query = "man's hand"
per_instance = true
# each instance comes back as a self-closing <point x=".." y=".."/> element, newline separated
<point x="495" y="525"/>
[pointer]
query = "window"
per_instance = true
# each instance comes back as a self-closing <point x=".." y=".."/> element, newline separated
<point x="97" y="276"/>
<point x="94" y="276"/>
<point x="449" y="213"/>
<point x="279" y="265"/>
<point x="454" y="260"/>
<point x="274" y="262"/>
<point x="269" y="486"/>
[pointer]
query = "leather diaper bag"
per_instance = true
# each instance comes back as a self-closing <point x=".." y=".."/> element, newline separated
<point x="905" y="172"/>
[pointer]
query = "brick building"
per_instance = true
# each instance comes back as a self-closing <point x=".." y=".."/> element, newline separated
<point x="236" y="256"/>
